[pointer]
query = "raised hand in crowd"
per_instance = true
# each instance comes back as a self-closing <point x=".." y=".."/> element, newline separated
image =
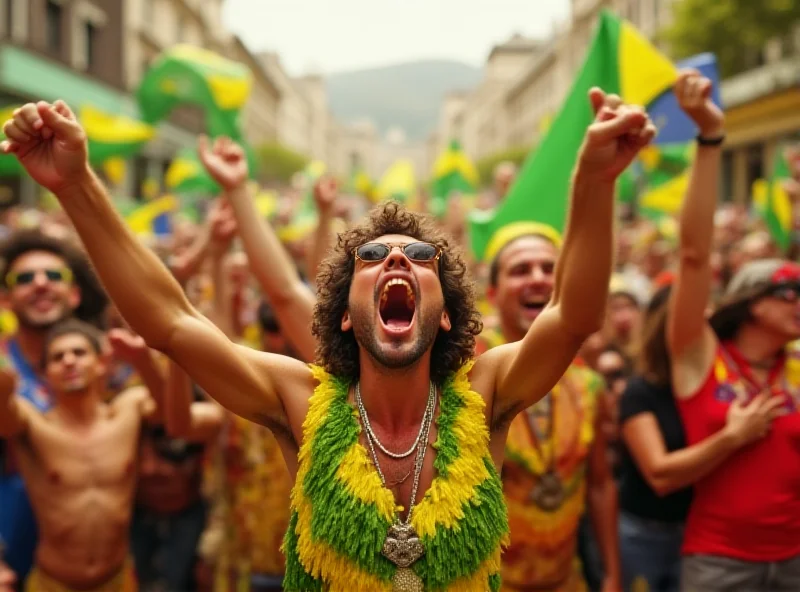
<point x="616" y="136"/>
<point x="276" y="273"/>
<point x="50" y="143"/>
<point x="224" y="160"/>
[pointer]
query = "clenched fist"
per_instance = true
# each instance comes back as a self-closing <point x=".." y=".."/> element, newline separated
<point x="693" y="92"/>
<point x="616" y="136"/>
<point x="224" y="160"/>
<point x="49" y="143"/>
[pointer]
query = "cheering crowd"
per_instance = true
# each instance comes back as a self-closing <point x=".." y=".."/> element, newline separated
<point x="611" y="409"/>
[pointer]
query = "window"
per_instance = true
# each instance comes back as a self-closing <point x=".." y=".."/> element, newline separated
<point x="9" y="18"/>
<point x="53" y="26"/>
<point x="90" y="43"/>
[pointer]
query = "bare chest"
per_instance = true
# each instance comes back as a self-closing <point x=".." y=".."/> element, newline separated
<point x="408" y="477"/>
<point x="101" y="457"/>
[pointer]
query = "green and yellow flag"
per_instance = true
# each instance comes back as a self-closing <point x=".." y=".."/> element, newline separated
<point x="398" y="183"/>
<point x="620" y="60"/>
<point x="186" y="174"/>
<point x="188" y="74"/>
<point x="772" y="202"/>
<point x="453" y="172"/>
<point x="657" y="179"/>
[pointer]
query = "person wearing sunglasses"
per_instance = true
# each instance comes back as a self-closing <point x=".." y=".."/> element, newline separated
<point x="743" y="527"/>
<point x="38" y="287"/>
<point x="395" y="439"/>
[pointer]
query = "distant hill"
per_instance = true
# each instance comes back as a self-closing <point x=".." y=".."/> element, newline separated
<point x="404" y="95"/>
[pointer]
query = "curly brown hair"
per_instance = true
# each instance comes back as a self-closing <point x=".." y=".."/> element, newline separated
<point x="337" y="350"/>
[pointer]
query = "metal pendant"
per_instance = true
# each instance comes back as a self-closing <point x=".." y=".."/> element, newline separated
<point x="405" y="580"/>
<point x="402" y="545"/>
<point x="548" y="493"/>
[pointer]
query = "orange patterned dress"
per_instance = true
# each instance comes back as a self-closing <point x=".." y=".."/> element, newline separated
<point x="543" y="550"/>
<point x="543" y="554"/>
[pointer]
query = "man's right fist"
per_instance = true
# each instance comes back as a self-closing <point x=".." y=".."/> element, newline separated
<point x="49" y="143"/>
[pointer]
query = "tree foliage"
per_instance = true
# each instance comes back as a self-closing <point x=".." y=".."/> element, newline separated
<point x="487" y="164"/>
<point x="734" y="30"/>
<point x="277" y="163"/>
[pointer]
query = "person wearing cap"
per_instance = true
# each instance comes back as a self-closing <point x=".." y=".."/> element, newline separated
<point x="556" y="450"/>
<point x="743" y="527"/>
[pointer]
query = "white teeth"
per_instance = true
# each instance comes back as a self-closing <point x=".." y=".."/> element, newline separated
<point x="397" y="282"/>
<point x="410" y="299"/>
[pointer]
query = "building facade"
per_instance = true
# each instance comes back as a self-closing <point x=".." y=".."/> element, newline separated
<point x="260" y="118"/>
<point x="762" y="105"/>
<point x="53" y="49"/>
<point x="151" y="27"/>
<point x="485" y="118"/>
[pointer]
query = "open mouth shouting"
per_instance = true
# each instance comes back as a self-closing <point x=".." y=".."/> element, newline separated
<point x="397" y="306"/>
<point x="532" y="305"/>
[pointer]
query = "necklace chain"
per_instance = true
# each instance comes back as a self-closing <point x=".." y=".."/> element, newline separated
<point x="368" y="426"/>
<point x="425" y="427"/>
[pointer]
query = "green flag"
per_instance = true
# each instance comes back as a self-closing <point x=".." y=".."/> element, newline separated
<point x="453" y="172"/>
<point x="619" y="61"/>
<point x="772" y="201"/>
<point x="188" y="74"/>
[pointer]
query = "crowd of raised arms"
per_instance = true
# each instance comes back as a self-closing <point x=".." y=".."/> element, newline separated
<point x="368" y="407"/>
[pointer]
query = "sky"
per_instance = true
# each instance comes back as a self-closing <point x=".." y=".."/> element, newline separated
<point x="328" y="36"/>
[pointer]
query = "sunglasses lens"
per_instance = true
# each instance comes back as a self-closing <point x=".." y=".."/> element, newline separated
<point x="23" y="278"/>
<point x="420" y="251"/>
<point x="54" y="275"/>
<point x="372" y="252"/>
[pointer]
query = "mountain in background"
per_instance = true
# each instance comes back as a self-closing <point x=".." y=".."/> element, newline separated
<point x="404" y="95"/>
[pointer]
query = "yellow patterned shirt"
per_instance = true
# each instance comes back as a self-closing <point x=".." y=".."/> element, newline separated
<point x="543" y="550"/>
<point x="254" y="504"/>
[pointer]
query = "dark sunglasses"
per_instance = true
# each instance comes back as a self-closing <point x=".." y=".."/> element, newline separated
<point x="375" y="252"/>
<point x="23" y="278"/>
<point x="614" y="375"/>
<point x="785" y="292"/>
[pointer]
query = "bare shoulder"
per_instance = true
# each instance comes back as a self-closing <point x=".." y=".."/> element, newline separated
<point x="292" y="379"/>
<point x="136" y="398"/>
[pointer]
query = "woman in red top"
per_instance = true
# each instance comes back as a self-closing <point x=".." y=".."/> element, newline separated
<point x="743" y="528"/>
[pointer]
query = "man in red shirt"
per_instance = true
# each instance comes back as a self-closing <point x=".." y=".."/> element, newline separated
<point x="743" y="528"/>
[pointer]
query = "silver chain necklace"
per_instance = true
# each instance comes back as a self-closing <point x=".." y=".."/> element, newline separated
<point x="402" y="545"/>
<point x="365" y="418"/>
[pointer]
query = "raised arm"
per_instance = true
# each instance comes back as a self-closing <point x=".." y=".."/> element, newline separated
<point x="690" y="340"/>
<point x="195" y="421"/>
<point x="51" y="145"/>
<point x="291" y="299"/>
<point x="577" y="307"/>
<point x="325" y="195"/>
<point x="133" y="350"/>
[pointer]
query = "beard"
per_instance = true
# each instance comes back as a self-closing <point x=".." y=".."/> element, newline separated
<point x="42" y="322"/>
<point x="398" y="354"/>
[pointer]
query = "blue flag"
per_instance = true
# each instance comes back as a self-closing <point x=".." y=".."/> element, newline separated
<point x="674" y="126"/>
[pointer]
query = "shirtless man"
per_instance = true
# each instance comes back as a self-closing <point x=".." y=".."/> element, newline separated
<point x="396" y="323"/>
<point x="78" y="464"/>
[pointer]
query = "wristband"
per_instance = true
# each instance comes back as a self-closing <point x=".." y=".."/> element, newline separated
<point x="710" y="141"/>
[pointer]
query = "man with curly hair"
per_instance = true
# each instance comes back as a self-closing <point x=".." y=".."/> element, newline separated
<point x="395" y="438"/>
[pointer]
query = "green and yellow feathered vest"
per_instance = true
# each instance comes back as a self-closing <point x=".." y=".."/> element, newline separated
<point x="341" y="511"/>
